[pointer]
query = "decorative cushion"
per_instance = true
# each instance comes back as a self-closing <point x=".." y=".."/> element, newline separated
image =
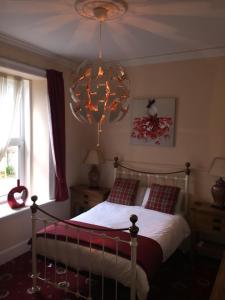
<point x="163" y="198"/>
<point x="124" y="191"/>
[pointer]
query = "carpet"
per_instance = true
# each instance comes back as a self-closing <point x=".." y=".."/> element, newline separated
<point x="182" y="279"/>
<point x="177" y="279"/>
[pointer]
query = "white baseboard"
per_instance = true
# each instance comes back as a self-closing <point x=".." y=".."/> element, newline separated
<point x="12" y="252"/>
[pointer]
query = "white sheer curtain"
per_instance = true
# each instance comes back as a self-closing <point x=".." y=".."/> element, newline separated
<point x="10" y="95"/>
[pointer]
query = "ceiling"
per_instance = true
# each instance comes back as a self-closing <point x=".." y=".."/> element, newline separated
<point x="150" y="28"/>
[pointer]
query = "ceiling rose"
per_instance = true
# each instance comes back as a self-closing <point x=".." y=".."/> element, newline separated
<point x="114" y="8"/>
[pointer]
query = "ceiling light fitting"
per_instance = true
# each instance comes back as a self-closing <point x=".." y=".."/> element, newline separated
<point x="114" y="8"/>
<point x="100" y="90"/>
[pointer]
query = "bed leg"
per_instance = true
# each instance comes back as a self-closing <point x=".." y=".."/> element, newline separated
<point x="35" y="288"/>
<point x="133" y="232"/>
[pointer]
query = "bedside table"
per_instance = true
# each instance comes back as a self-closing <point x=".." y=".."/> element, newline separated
<point x="208" y="229"/>
<point x="84" y="198"/>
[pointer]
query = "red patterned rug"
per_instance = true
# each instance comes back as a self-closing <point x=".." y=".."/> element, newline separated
<point x="177" y="279"/>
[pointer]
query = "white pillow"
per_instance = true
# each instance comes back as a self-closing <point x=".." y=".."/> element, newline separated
<point x="140" y="195"/>
<point x="146" y="196"/>
<point x="179" y="207"/>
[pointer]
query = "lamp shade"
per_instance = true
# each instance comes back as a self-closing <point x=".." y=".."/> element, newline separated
<point x="100" y="91"/>
<point x="94" y="157"/>
<point x="217" y="167"/>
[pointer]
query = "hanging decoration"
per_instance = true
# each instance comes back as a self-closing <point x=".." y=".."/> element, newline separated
<point x="100" y="90"/>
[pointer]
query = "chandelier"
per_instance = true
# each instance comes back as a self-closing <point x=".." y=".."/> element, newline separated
<point x="100" y="90"/>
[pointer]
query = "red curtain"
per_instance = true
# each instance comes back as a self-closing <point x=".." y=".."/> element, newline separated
<point x="57" y="113"/>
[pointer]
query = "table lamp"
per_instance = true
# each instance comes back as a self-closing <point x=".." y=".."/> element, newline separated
<point x="217" y="168"/>
<point x="94" y="158"/>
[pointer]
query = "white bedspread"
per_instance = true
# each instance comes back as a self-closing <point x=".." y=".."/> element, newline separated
<point x="168" y="230"/>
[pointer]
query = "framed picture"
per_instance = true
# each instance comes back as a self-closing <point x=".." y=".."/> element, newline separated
<point x="153" y="122"/>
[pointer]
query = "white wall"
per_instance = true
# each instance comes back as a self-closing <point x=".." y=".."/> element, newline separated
<point x="200" y="125"/>
<point x="199" y="87"/>
<point x="16" y="229"/>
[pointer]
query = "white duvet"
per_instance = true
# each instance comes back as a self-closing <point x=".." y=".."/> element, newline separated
<point x="168" y="230"/>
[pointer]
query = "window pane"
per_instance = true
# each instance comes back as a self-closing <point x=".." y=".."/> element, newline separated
<point x="16" y="130"/>
<point x="9" y="170"/>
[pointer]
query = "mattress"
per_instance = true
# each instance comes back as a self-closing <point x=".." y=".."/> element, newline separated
<point x="168" y="230"/>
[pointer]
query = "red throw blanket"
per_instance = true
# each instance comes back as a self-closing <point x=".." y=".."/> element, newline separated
<point x="149" y="252"/>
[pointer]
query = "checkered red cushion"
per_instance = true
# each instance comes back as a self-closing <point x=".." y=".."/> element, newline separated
<point x="124" y="191"/>
<point x="163" y="198"/>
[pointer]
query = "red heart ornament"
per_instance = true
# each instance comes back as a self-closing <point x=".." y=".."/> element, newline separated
<point x="22" y="191"/>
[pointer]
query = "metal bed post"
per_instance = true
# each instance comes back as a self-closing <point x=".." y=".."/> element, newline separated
<point x="186" y="187"/>
<point x="133" y="233"/>
<point x="115" y="167"/>
<point x="35" y="288"/>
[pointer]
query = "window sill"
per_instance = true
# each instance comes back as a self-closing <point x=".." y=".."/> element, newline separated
<point x="6" y="211"/>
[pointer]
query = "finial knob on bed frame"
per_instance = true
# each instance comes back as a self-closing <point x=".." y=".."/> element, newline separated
<point x="34" y="199"/>
<point x="133" y="229"/>
<point x="188" y="170"/>
<point x="116" y="164"/>
<point x="34" y="205"/>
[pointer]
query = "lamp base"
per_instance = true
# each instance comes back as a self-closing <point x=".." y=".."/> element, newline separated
<point x="218" y="193"/>
<point x="94" y="176"/>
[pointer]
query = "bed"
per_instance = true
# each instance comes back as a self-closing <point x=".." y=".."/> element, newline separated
<point x="106" y="242"/>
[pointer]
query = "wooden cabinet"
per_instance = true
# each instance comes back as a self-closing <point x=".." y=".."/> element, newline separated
<point x="208" y="228"/>
<point x="84" y="198"/>
<point x="218" y="292"/>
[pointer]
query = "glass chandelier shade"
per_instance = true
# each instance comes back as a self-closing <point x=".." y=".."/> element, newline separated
<point x="100" y="90"/>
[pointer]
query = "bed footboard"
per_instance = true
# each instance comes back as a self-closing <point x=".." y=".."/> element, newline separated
<point x="94" y="251"/>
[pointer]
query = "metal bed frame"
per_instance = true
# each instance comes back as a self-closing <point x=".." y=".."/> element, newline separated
<point x="179" y="178"/>
<point x="119" y="170"/>
<point x="101" y="233"/>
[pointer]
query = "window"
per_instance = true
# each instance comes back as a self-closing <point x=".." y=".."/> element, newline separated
<point x="9" y="171"/>
<point x="28" y="154"/>
<point x="13" y="92"/>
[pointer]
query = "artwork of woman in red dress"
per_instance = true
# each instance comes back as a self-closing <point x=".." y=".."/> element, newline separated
<point x="152" y="127"/>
